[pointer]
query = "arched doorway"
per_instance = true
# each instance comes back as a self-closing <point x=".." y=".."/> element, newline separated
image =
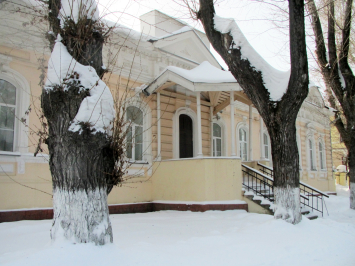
<point x="186" y="136"/>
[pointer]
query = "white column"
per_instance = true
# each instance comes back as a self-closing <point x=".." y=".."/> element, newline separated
<point x="199" y="130"/>
<point x="232" y="124"/>
<point x="250" y="133"/>
<point x="262" y="155"/>
<point x="211" y="131"/>
<point x="159" y="127"/>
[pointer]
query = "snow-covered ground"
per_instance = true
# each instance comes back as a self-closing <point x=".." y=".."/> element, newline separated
<point x="187" y="238"/>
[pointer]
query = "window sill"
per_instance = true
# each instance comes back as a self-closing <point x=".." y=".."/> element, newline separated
<point x="10" y="153"/>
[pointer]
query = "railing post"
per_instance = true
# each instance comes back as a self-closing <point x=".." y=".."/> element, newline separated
<point x="322" y="205"/>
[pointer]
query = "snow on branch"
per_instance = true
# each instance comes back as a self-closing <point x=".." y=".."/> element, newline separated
<point x="275" y="81"/>
<point x="96" y="110"/>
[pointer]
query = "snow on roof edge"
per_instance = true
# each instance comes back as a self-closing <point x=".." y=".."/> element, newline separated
<point x="275" y="81"/>
<point x="204" y="67"/>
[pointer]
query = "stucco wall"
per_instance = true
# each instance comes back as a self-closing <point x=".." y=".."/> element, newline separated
<point x="197" y="180"/>
<point x="33" y="189"/>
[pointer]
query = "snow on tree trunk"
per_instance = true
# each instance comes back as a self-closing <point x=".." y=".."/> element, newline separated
<point x="352" y="195"/>
<point x="79" y="110"/>
<point x="286" y="172"/>
<point x="351" y="149"/>
<point x="287" y="204"/>
<point x="81" y="216"/>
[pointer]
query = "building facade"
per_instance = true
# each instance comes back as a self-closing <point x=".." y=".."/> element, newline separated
<point x="191" y="124"/>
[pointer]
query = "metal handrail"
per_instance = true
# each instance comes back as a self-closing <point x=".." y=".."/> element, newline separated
<point x="258" y="182"/>
<point x="309" y="196"/>
<point x="267" y="169"/>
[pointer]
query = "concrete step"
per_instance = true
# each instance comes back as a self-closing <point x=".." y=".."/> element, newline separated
<point x="266" y="206"/>
<point x="304" y="212"/>
<point x="312" y="216"/>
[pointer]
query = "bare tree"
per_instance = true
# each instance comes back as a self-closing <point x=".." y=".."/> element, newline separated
<point x="79" y="109"/>
<point x="279" y="114"/>
<point x="333" y="62"/>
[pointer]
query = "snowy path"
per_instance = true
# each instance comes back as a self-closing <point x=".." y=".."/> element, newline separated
<point x="186" y="238"/>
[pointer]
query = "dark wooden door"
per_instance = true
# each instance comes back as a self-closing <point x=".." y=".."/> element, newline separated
<point x="186" y="137"/>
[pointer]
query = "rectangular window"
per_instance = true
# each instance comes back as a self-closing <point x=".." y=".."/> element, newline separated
<point x="321" y="156"/>
<point x="217" y="140"/>
<point x="129" y="143"/>
<point x="7" y="115"/>
<point x="311" y="155"/>
<point x="134" y="143"/>
<point x="138" y="145"/>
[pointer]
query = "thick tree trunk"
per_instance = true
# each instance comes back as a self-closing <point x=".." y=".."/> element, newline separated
<point x="78" y="172"/>
<point x="80" y="161"/>
<point x="286" y="173"/>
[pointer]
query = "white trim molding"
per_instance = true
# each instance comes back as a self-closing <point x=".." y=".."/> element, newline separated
<point x="269" y="157"/>
<point x="322" y="157"/>
<point x="147" y="122"/>
<point x="311" y="154"/>
<point x="220" y="121"/>
<point x="176" y="137"/>
<point x="244" y="126"/>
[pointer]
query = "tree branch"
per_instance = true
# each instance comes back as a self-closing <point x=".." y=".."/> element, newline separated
<point x="250" y="80"/>
<point x="333" y="60"/>
<point x="318" y="32"/>
<point x="329" y="69"/>
<point x="298" y="86"/>
<point x="344" y="51"/>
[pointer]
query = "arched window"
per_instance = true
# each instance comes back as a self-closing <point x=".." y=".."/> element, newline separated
<point x="243" y="144"/>
<point x="7" y="115"/>
<point x="311" y="155"/>
<point x="321" y="156"/>
<point x="266" y="146"/>
<point x="134" y="143"/>
<point x="217" y="140"/>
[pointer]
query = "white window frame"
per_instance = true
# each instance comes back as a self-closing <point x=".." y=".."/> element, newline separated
<point x="243" y="126"/>
<point x="147" y="138"/>
<point x="15" y="115"/>
<point x="22" y="103"/>
<point x="312" y="163"/>
<point x="322" y="156"/>
<point x="220" y="121"/>
<point x="214" y="141"/>
<point x="268" y="155"/>
<point x="176" y="132"/>
<point x="133" y="127"/>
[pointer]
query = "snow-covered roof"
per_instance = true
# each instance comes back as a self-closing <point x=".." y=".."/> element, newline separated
<point x="126" y="31"/>
<point x="182" y="30"/>
<point x="204" y="77"/>
<point x="205" y="73"/>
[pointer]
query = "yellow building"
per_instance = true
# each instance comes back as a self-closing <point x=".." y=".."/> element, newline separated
<point x="198" y="127"/>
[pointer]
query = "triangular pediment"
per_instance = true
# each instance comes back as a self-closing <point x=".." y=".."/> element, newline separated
<point x="315" y="97"/>
<point x="187" y="45"/>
